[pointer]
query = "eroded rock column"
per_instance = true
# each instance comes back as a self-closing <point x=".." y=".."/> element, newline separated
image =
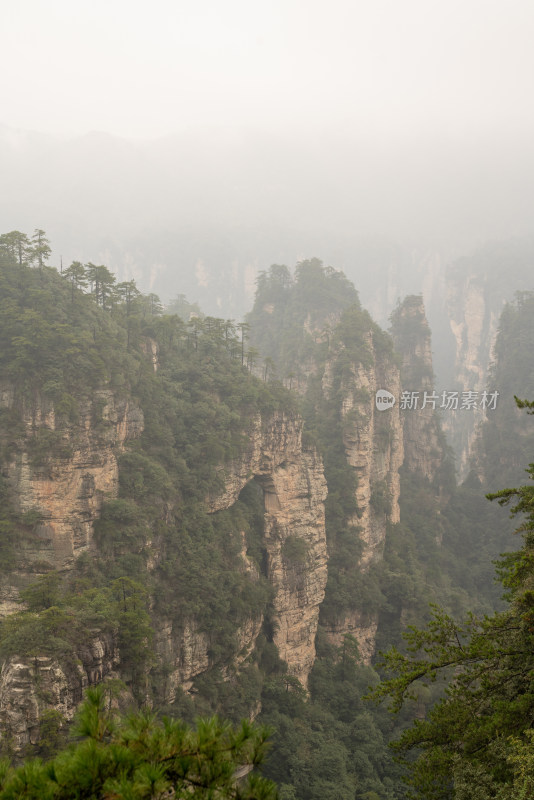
<point x="295" y="540"/>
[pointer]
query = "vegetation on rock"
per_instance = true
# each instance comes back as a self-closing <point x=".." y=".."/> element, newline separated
<point x="159" y="560"/>
<point x="139" y="757"/>
<point x="476" y="742"/>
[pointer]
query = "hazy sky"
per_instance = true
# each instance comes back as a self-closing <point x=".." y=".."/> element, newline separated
<point x="387" y="68"/>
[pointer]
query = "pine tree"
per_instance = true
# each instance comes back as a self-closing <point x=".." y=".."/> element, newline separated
<point x="18" y="246"/>
<point x="76" y="275"/>
<point x="40" y="249"/>
<point x="477" y="741"/>
<point x="141" y="758"/>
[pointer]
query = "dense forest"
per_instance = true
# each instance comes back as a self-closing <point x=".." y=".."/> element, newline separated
<point x="181" y="574"/>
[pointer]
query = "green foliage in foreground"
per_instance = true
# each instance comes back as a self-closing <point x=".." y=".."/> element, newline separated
<point x="140" y="758"/>
<point x="477" y="741"/>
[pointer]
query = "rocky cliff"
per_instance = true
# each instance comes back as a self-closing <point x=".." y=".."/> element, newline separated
<point x="379" y="441"/>
<point x="464" y="298"/>
<point x="423" y="440"/>
<point x="473" y="319"/>
<point x="62" y="471"/>
<point x="373" y="444"/>
<point x="30" y="687"/>
<point x="67" y="492"/>
<point x="331" y="352"/>
<point x="475" y="289"/>
<point x="294" y="503"/>
<point x="294" y="490"/>
<point x="179" y="514"/>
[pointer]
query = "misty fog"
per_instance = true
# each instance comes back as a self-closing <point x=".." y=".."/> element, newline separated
<point x="155" y="210"/>
<point x="189" y="147"/>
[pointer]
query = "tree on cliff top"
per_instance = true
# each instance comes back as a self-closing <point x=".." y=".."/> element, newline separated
<point x="40" y="250"/>
<point x="139" y="758"/>
<point x="477" y="743"/>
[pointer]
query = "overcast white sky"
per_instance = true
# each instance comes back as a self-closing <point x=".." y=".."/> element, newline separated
<point x="387" y="68"/>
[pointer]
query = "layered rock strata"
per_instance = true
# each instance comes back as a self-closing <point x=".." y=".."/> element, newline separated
<point x="294" y="504"/>
<point x="474" y="321"/>
<point x="423" y="442"/>
<point x="67" y="491"/>
<point x="29" y="687"/>
<point x="373" y="441"/>
<point x="66" y="481"/>
<point x="294" y="490"/>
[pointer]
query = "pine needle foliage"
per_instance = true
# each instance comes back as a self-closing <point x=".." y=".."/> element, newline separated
<point x="139" y="757"/>
<point x="477" y="741"/>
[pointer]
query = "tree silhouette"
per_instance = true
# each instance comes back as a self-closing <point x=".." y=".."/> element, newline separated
<point x="40" y="247"/>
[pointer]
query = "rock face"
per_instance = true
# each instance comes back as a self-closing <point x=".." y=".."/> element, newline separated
<point x="65" y="484"/>
<point x="379" y="441"/>
<point x="64" y="472"/>
<point x="362" y="626"/>
<point x="30" y="687"/>
<point x="151" y="349"/>
<point x="373" y="442"/>
<point x="294" y="490"/>
<point x="474" y="320"/>
<point x="295" y="539"/>
<point x="374" y="448"/>
<point x="423" y="447"/>
<point x="67" y="489"/>
<point x="68" y="493"/>
<point x="270" y="442"/>
<point x="185" y="651"/>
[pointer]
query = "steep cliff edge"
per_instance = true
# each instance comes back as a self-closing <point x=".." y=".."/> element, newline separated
<point x="476" y="290"/>
<point x="339" y="363"/>
<point x="127" y="443"/>
<point x="29" y="688"/>
<point x="373" y="444"/>
<point x="65" y="483"/>
<point x="294" y="489"/>
<point x="424" y="444"/>
<point x="435" y="528"/>
<point x="60" y="472"/>
<point x="473" y="319"/>
<point x="293" y="485"/>
<point x="373" y="448"/>
<point x="295" y="540"/>
<point x="63" y="487"/>
<point x="504" y="441"/>
<point x="331" y="352"/>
